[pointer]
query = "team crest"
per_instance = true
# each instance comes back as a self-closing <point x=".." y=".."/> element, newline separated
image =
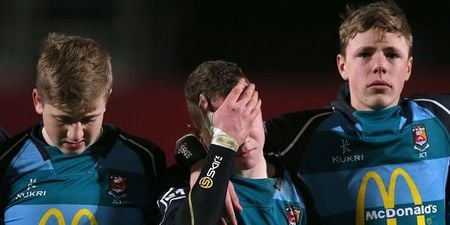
<point x="117" y="186"/>
<point x="420" y="137"/>
<point x="292" y="214"/>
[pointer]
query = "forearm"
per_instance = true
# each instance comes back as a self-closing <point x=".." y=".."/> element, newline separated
<point x="205" y="202"/>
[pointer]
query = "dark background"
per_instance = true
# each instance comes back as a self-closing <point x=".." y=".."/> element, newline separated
<point x="287" y="47"/>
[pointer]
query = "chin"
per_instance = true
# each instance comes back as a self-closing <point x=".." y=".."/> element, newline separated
<point x="244" y="164"/>
<point x="380" y="102"/>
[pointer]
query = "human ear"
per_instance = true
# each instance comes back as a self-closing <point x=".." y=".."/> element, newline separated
<point x="409" y="68"/>
<point x="340" y="61"/>
<point x="37" y="101"/>
<point x="203" y="102"/>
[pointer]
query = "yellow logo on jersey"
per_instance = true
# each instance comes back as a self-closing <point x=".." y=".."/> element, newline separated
<point x="390" y="213"/>
<point x="60" y="217"/>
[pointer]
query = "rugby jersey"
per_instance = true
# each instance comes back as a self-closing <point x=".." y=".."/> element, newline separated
<point x="269" y="201"/>
<point x="390" y="166"/>
<point x="114" y="181"/>
<point x="379" y="167"/>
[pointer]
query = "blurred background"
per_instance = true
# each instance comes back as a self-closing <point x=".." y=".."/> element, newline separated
<point x="287" y="47"/>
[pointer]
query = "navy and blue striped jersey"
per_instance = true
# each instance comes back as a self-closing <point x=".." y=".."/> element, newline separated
<point x="389" y="166"/>
<point x="115" y="181"/>
<point x="378" y="167"/>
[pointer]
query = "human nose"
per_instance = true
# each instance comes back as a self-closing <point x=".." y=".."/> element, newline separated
<point x="75" y="132"/>
<point x="379" y="63"/>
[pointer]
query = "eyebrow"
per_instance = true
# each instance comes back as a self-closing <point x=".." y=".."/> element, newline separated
<point x="71" y="119"/>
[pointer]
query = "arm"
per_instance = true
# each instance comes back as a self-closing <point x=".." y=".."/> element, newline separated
<point x="231" y="125"/>
<point x="205" y="202"/>
<point x="181" y="206"/>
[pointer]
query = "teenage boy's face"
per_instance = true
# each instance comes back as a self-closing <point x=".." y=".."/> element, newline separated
<point x="72" y="133"/>
<point x="376" y="65"/>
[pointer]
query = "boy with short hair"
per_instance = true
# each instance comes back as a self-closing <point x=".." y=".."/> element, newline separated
<point x="72" y="168"/>
<point x="373" y="157"/>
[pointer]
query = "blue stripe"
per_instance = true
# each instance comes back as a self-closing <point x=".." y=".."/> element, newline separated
<point x="429" y="177"/>
<point x="420" y="113"/>
<point x="28" y="159"/>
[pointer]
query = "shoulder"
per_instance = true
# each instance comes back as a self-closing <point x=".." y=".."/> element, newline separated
<point x="138" y="144"/>
<point x="300" y="117"/>
<point x="150" y="154"/>
<point x="3" y="135"/>
<point x="288" y="128"/>
<point x="439" y="105"/>
<point x="16" y="141"/>
<point x="10" y="147"/>
<point x="433" y="101"/>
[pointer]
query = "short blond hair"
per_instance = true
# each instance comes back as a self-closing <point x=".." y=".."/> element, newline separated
<point x="73" y="72"/>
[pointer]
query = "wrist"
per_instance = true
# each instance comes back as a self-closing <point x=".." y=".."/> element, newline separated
<point x="223" y="139"/>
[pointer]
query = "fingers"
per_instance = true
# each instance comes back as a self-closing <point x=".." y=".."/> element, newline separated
<point x="231" y="203"/>
<point x="256" y="111"/>
<point x="234" y="197"/>
<point x="237" y="90"/>
<point x="238" y="111"/>
<point x="229" y="209"/>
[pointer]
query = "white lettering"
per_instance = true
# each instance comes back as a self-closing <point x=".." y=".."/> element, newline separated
<point x="347" y="159"/>
<point x="401" y="212"/>
<point x="372" y="215"/>
<point x="214" y="165"/>
<point x="31" y="194"/>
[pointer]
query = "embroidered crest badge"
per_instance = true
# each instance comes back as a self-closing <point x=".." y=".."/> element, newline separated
<point x="117" y="186"/>
<point x="292" y="214"/>
<point x="420" y="137"/>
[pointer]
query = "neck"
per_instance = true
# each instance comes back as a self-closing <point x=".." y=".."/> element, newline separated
<point x="257" y="172"/>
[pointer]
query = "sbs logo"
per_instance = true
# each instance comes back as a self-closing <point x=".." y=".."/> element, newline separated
<point x="390" y="213"/>
<point x="60" y="217"/>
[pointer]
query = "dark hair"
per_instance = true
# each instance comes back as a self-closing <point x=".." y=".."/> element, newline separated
<point x="213" y="79"/>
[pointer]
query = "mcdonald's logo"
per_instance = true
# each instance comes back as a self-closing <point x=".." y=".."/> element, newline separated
<point x="60" y="217"/>
<point x="390" y="213"/>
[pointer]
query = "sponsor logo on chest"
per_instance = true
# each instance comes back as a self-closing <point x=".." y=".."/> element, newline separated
<point x="31" y="191"/>
<point x="346" y="156"/>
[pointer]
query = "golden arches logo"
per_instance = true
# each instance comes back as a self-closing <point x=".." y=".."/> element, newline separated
<point x="60" y="217"/>
<point x="388" y="196"/>
<point x="206" y="182"/>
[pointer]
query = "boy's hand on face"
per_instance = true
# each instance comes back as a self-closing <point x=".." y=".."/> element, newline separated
<point x="238" y="111"/>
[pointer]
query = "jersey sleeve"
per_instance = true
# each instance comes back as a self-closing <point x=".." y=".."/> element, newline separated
<point x="204" y="204"/>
